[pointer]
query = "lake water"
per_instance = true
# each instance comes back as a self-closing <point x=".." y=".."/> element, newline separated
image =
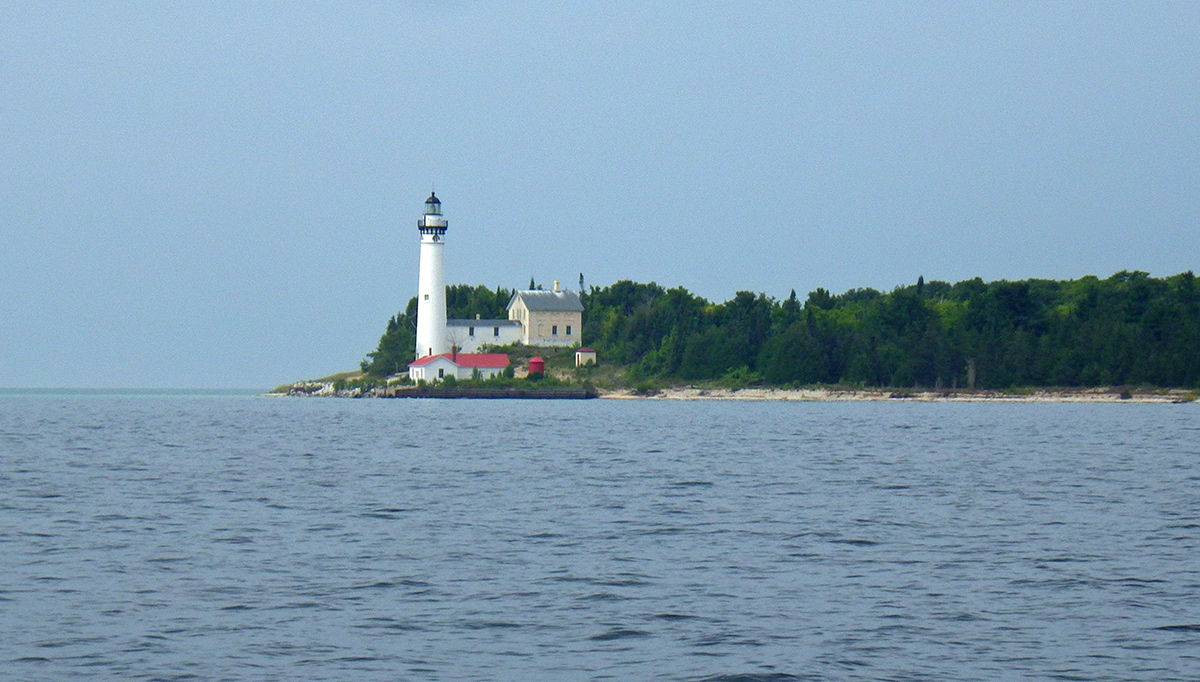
<point x="239" y="538"/>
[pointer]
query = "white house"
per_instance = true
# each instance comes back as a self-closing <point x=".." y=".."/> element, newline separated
<point x="458" y="365"/>
<point x="469" y="336"/>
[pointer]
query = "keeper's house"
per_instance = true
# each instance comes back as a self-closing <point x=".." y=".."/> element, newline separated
<point x="458" y="365"/>
<point x="548" y="318"/>
<point x="471" y="335"/>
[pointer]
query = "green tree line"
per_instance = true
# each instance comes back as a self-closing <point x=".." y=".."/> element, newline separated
<point x="1128" y="329"/>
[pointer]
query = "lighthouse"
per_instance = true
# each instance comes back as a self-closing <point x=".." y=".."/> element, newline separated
<point x="431" y="289"/>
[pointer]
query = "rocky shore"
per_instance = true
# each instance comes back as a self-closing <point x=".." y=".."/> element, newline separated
<point x="318" y="389"/>
<point x="326" y="389"/>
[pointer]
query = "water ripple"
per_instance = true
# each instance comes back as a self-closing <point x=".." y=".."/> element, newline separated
<point x="238" y="538"/>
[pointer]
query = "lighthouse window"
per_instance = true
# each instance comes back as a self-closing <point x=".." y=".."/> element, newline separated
<point x="426" y="297"/>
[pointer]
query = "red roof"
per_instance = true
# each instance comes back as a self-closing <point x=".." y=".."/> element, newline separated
<point x="471" y="360"/>
<point x="585" y="350"/>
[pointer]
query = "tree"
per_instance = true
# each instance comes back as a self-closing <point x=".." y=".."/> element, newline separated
<point x="397" y="345"/>
<point x="791" y="305"/>
<point x="794" y="357"/>
<point x="820" y="299"/>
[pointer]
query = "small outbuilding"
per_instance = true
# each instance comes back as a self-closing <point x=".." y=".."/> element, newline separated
<point x="585" y="356"/>
<point x="458" y="365"/>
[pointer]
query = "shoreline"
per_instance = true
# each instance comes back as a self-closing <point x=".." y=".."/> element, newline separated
<point x="320" y="389"/>
<point x="1097" y="395"/>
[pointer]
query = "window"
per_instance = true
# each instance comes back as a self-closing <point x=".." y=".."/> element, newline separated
<point x="554" y="330"/>
<point x="426" y="297"/>
<point x="471" y="332"/>
<point x="568" y="330"/>
<point x="495" y="331"/>
<point x="441" y="373"/>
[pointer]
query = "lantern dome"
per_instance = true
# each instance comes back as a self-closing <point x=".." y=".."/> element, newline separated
<point x="433" y="205"/>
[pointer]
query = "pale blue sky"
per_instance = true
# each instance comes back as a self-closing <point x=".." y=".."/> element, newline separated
<point x="225" y="194"/>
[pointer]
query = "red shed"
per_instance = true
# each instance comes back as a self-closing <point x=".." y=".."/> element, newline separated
<point x="537" y="365"/>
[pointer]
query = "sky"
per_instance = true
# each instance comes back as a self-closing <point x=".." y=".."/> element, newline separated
<point x="225" y="194"/>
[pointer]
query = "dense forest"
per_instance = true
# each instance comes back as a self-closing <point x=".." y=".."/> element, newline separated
<point x="1128" y="329"/>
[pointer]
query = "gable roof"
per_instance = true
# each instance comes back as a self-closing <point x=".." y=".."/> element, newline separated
<point x="469" y="360"/>
<point x="548" y="301"/>
<point x="482" y="323"/>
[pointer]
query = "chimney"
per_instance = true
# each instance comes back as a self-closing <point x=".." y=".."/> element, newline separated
<point x="556" y="286"/>
<point x="454" y="354"/>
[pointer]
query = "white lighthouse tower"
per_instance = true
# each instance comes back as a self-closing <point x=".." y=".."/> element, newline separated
<point x="431" y="290"/>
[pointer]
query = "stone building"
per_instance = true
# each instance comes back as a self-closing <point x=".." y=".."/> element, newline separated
<point x="548" y="318"/>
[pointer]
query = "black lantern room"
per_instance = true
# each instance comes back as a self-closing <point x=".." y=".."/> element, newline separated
<point x="433" y="206"/>
<point x="432" y="223"/>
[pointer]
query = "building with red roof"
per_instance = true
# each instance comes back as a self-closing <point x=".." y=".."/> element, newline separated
<point x="458" y="365"/>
